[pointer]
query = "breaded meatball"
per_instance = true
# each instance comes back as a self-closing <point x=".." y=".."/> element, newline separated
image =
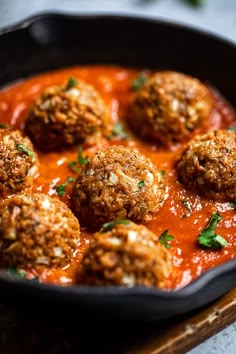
<point x="18" y="162"/>
<point x="126" y="255"/>
<point x="118" y="183"/>
<point x="170" y="107"/>
<point x="66" y="115"/>
<point x="36" y="229"/>
<point x="208" y="165"/>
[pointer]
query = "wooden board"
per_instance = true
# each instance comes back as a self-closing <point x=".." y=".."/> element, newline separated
<point x="21" y="335"/>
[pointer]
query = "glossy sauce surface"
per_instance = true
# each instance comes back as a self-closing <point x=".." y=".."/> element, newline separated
<point x="113" y="84"/>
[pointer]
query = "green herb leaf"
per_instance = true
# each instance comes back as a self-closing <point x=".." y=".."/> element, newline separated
<point x="61" y="188"/>
<point x="137" y="83"/>
<point x="71" y="82"/>
<point x="164" y="238"/>
<point x="4" y="126"/>
<point x="109" y="225"/>
<point x="141" y="184"/>
<point x="195" y="2"/>
<point x="81" y="160"/>
<point x="208" y="238"/>
<point x="233" y="204"/>
<point x="72" y="165"/>
<point x="118" y="131"/>
<point x="24" y="149"/>
<point x="188" y="207"/>
<point x="14" y="271"/>
<point x="162" y="172"/>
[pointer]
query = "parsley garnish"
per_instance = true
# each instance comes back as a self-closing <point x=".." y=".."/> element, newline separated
<point x="71" y="82"/>
<point x="14" y="271"/>
<point x="188" y="207"/>
<point x="80" y="161"/>
<point x="233" y="204"/>
<point x="164" y="238"/>
<point x="72" y="165"/>
<point x="137" y="83"/>
<point x="4" y="126"/>
<point x="61" y="188"/>
<point x="141" y="184"/>
<point x="109" y="225"/>
<point x="24" y="149"/>
<point x="162" y="172"/>
<point x="118" y="131"/>
<point x="208" y="238"/>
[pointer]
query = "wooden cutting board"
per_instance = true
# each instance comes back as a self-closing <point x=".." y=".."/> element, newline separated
<point x="21" y="335"/>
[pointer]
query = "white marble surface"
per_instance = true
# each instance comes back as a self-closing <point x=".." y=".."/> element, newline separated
<point x="218" y="16"/>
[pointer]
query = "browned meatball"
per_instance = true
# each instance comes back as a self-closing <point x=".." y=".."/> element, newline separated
<point x="18" y="162"/>
<point x="126" y="255"/>
<point x="36" y="229"/>
<point x="208" y="164"/>
<point x="118" y="183"/>
<point x="170" y="107"/>
<point x="63" y="116"/>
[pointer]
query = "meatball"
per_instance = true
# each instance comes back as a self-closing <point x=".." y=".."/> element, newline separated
<point x="36" y="229"/>
<point x="208" y="164"/>
<point x="127" y="255"/>
<point x="170" y="107"/>
<point x="18" y="162"/>
<point x="63" y="116"/>
<point x="118" y="183"/>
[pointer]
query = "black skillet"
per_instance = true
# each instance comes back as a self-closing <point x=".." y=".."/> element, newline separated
<point x="50" y="41"/>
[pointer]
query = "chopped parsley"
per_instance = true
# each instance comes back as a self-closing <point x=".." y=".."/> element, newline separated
<point x="139" y="81"/>
<point x="208" y="238"/>
<point x="81" y="160"/>
<point x="61" y="188"/>
<point x="24" y="149"/>
<point x="164" y="238"/>
<point x="233" y="204"/>
<point x="141" y="184"/>
<point x="118" y="131"/>
<point x="14" y="271"/>
<point x="188" y="207"/>
<point x="71" y="82"/>
<point x="4" y="126"/>
<point x="162" y="172"/>
<point x="109" y="225"/>
<point x="74" y="165"/>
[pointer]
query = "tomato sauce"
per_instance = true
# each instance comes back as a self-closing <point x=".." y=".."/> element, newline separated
<point x="113" y="83"/>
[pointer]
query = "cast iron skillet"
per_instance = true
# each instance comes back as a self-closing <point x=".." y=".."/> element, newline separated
<point x="50" y="41"/>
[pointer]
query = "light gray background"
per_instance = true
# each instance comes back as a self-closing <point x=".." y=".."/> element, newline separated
<point x="217" y="16"/>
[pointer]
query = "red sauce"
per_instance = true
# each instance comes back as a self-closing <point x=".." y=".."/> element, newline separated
<point x="113" y="83"/>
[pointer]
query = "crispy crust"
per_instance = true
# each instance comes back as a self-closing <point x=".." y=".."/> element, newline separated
<point x="127" y="255"/>
<point x="171" y="107"/>
<point x="17" y="168"/>
<point x="108" y="187"/>
<point x="62" y="117"/>
<point x="208" y="165"/>
<point x="36" y="229"/>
